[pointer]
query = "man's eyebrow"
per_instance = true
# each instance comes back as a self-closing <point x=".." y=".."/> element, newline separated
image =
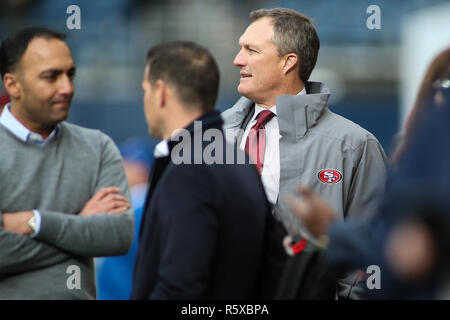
<point x="57" y="71"/>
<point x="52" y="71"/>
<point x="243" y="43"/>
<point x="72" y="70"/>
<point x="251" y="46"/>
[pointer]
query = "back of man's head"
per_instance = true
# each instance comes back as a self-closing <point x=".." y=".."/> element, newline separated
<point x="190" y="69"/>
<point x="293" y="33"/>
<point x="14" y="46"/>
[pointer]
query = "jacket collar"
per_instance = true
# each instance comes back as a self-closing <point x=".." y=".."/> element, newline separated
<point x="305" y="110"/>
<point x="208" y="120"/>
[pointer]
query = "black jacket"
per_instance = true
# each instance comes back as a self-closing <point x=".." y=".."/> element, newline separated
<point x="202" y="233"/>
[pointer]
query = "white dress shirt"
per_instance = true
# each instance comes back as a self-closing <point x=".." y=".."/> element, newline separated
<point x="161" y="149"/>
<point x="270" y="174"/>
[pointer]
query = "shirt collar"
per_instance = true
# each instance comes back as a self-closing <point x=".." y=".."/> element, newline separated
<point x="8" y="120"/>
<point x="161" y="149"/>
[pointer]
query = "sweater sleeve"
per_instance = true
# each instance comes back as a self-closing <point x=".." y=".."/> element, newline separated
<point x="98" y="234"/>
<point x="19" y="253"/>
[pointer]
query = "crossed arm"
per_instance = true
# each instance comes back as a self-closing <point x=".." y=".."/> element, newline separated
<point x="19" y="251"/>
<point x="107" y="200"/>
<point x="103" y="227"/>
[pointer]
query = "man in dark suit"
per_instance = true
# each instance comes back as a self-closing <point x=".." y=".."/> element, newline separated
<point x="203" y="227"/>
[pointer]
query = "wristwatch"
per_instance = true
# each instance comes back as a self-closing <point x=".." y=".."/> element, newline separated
<point x="32" y="223"/>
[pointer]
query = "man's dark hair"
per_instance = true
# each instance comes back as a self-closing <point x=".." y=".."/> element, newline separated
<point x="190" y="68"/>
<point x="14" y="46"/>
<point x="293" y="32"/>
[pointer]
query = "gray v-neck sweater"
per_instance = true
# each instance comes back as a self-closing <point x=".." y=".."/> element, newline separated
<point x="58" y="179"/>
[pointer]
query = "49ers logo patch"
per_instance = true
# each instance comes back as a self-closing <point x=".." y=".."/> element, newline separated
<point x="329" y="176"/>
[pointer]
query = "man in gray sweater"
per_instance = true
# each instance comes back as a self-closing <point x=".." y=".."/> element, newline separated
<point x="64" y="198"/>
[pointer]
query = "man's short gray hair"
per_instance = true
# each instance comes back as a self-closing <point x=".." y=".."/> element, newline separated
<point x="293" y="33"/>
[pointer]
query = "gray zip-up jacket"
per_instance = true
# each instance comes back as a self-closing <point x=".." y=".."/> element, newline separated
<point x="342" y="162"/>
<point x="316" y="141"/>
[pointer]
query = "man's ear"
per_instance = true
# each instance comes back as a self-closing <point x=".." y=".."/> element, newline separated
<point x="290" y="62"/>
<point x="12" y="85"/>
<point x="161" y="93"/>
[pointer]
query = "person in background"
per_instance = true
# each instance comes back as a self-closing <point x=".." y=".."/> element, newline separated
<point x="137" y="153"/>
<point x="115" y="274"/>
<point x="428" y="96"/>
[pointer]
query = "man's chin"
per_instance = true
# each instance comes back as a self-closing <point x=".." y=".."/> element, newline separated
<point x="61" y="116"/>
<point x="243" y="91"/>
<point x="246" y="93"/>
<point x="154" y="133"/>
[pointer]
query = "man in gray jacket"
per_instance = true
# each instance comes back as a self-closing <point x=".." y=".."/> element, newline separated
<point x="64" y="197"/>
<point x="304" y="142"/>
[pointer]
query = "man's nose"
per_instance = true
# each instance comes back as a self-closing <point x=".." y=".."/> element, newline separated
<point x="66" y="86"/>
<point x="239" y="60"/>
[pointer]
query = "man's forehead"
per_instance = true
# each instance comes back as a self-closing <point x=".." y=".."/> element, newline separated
<point x="44" y="53"/>
<point x="259" y="31"/>
<point x="146" y="73"/>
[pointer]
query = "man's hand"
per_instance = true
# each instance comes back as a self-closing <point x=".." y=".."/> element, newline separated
<point x="18" y="222"/>
<point x="315" y="214"/>
<point x="106" y="200"/>
<point x="411" y="251"/>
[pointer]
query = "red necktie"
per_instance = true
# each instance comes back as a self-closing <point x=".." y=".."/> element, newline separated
<point x="255" y="145"/>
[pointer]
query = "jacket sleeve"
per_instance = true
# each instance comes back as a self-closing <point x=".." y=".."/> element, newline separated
<point x="98" y="234"/>
<point x="188" y="235"/>
<point x="368" y="180"/>
<point x="18" y="253"/>
<point x="366" y="192"/>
